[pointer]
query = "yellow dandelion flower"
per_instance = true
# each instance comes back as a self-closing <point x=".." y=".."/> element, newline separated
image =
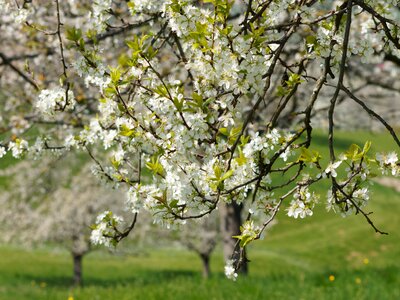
<point x="331" y="278"/>
<point x="366" y="261"/>
<point x="70" y="298"/>
<point x="358" y="280"/>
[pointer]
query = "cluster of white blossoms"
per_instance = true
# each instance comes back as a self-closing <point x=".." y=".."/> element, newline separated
<point x="352" y="193"/>
<point x="10" y="10"/>
<point x="100" y="14"/>
<point x="92" y="75"/>
<point x="233" y="63"/>
<point x="185" y="135"/>
<point x="18" y="147"/>
<point x="366" y="43"/>
<point x="389" y="163"/>
<point x="348" y="201"/>
<point x="133" y="199"/>
<point x="303" y="203"/>
<point x="230" y="271"/>
<point x="146" y="6"/>
<point x="196" y="99"/>
<point x="54" y="100"/>
<point x="103" y="230"/>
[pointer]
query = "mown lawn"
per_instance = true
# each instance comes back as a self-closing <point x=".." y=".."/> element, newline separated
<point x="323" y="257"/>
<point x="283" y="274"/>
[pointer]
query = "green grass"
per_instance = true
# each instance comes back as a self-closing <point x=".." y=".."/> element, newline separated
<point x="294" y="261"/>
<point x="174" y="275"/>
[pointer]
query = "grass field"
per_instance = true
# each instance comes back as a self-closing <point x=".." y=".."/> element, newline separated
<point x="323" y="257"/>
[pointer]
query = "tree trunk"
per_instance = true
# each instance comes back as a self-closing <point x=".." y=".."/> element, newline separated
<point x="77" y="269"/>
<point x="231" y="221"/>
<point x="205" y="259"/>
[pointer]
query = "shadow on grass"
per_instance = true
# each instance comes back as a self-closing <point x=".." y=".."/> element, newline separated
<point x="140" y="278"/>
<point x="387" y="276"/>
<point x="341" y="143"/>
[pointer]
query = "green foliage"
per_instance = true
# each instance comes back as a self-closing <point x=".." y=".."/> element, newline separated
<point x="310" y="156"/>
<point x="74" y="34"/>
<point x="232" y="134"/>
<point x="241" y="159"/>
<point x="219" y="177"/>
<point x="115" y="74"/>
<point x="155" y="166"/>
<point x="138" y="46"/>
<point x="248" y="234"/>
<point x="356" y="153"/>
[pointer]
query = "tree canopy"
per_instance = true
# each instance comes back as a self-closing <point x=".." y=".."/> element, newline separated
<point x="198" y="104"/>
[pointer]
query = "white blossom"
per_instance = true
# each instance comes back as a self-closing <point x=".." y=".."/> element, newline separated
<point x="331" y="168"/>
<point x="303" y="203"/>
<point x="2" y="151"/>
<point x="133" y="201"/>
<point x="104" y="228"/>
<point x="230" y="271"/>
<point x="388" y="162"/>
<point x="56" y="99"/>
<point x="18" y="147"/>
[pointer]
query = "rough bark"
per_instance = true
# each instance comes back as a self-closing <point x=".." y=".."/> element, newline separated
<point x="230" y="222"/>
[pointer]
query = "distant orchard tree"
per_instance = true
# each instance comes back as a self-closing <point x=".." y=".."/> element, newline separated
<point x="199" y="105"/>
<point x="201" y="236"/>
<point x="48" y="202"/>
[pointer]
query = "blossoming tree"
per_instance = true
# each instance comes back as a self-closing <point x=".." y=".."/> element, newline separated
<point x="199" y="93"/>
<point x="49" y="202"/>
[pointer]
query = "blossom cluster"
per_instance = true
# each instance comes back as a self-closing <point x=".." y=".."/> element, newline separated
<point x="13" y="11"/>
<point x="230" y="271"/>
<point x="57" y="99"/>
<point x="188" y="102"/>
<point x="350" y="194"/>
<point x="389" y="163"/>
<point x="104" y="229"/>
<point x="303" y="203"/>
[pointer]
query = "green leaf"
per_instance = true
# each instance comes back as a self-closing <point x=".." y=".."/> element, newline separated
<point x="217" y="171"/>
<point x="224" y="131"/>
<point x="73" y="34"/>
<point x="227" y="175"/>
<point x="126" y="131"/>
<point x="174" y="203"/>
<point x="160" y="206"/>
<point x="115" y="163"/>
<point x="366" y="147"/>
<point x="234" y="134"/>
<point x="198" y="98"/>
<point x="311" y="39"/>
<point x="281" y="91"/>
<point x="151" y="52"/>
<point x="162" y="91"/>
<point x="241" y="159"/>
<point x="353" y="152"/>
<point x="155" y="166"/>
<point x="115" y="75"/>
<point x="308" y="155"/>
<point x="178" y="104"/>
<point x="294" y="79"/>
